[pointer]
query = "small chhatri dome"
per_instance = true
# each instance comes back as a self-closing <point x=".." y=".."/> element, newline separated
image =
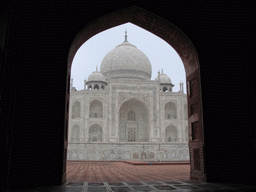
<point x="126" y="61"/>
<point x="96" y="76"/>
<point x="164" y="78"/>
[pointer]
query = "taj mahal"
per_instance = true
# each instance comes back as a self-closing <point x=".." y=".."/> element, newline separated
<point x="121" y="114"/>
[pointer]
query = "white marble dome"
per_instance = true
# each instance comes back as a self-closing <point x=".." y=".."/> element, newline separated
<point x="96" y="76"/>
<point x="126" y="61"/>
<point x="164" y="79"/>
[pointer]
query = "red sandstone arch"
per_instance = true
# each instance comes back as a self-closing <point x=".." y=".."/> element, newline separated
<point x="179" y="41"/>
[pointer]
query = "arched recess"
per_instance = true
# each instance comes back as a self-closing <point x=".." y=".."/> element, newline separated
<point x="76" y="109"/>
<point x="182" y="45"/>
<point x="171" y="133"/>
<point x="186" y="112"/>
<point x="170" y="110"/>
<point x="165" y="89"/>
<point x="95" y="133"/>
<point x="75" y="133"/>
<point x="133" y="121"/>
<point x="96" y="86"/>
<point x="96" y="109"/>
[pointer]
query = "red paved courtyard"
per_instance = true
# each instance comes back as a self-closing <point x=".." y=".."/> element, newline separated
<point x="93" y="171"/>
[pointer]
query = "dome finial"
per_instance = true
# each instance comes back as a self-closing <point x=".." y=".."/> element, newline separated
<point x="125" y="37"/>
<point x="96" y="68"/>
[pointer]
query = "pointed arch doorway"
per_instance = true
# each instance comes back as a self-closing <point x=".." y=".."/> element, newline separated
<point x="179" y="41"/>
<point x="133" y="121"/>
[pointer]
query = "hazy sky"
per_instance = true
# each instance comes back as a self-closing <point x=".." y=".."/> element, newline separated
<point x="160" y="54"/>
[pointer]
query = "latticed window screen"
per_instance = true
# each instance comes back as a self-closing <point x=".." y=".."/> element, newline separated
<point x="131" y="135"/>
<point x="131" y="116"/>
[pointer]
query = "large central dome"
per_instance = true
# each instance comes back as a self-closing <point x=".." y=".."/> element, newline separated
<point x="126" y="61"/>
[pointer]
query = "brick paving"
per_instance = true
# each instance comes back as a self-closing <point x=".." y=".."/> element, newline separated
<point x="103" y="171"/>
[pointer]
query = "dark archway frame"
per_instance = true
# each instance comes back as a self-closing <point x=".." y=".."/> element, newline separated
<point x="182" y="45"/>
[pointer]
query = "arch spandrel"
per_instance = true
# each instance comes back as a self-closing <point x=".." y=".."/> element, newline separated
<point x="121" y="101"/>
<point x="148" y="21"/>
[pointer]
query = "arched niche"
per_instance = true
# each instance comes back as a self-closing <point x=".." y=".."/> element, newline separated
<point x="186" y="112"/>
<point x="182" y="45"/>
<point x="170" y="110"/>
<point x="96" y="86"/>
<point x="95" y="133"/>
<point x="133" y="121"/>
<point x="171" y="133"/>
<point x="96" y="109"/>
<point x="76" y="110"/>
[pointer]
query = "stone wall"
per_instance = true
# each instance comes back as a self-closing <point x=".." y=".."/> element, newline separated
<point x="128" y="151"/>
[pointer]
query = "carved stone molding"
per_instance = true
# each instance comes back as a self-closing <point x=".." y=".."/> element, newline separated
<point x="78" y="123"/>
<point x="169" y="100"/>
<point x="174" y="123"/>
<point x="100" y="122"/>
<point x="90" y="99"/>
<point x="76" y="99"/>
<point x="125" y="96"/>
<point x="196" y="154"/>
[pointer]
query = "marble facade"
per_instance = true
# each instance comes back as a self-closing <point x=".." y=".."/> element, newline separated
<point x="129" y="117"/>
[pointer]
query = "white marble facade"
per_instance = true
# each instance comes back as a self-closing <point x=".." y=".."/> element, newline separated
<point x="124" y="115"/>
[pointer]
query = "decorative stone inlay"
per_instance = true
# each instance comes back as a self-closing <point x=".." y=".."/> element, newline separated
<point x="135" y="155"/>
<point x="198" y="159"/>
<point x="125" y="96"/>
<point x="125" y="73"/>
<point x="95" y="122"/>
<point x="143" y="155"/>
<point x="151" y="155"/>
<point x="101" y="99"/>
<point x="169" y="100"/>
<point x="113" y="151"/>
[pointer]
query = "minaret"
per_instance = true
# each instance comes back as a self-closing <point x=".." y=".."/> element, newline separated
<point x="181" y="87"/>
<point x="71" y="83"/>
<point x="84" y="83"/>
<point x="125" y="37"/>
